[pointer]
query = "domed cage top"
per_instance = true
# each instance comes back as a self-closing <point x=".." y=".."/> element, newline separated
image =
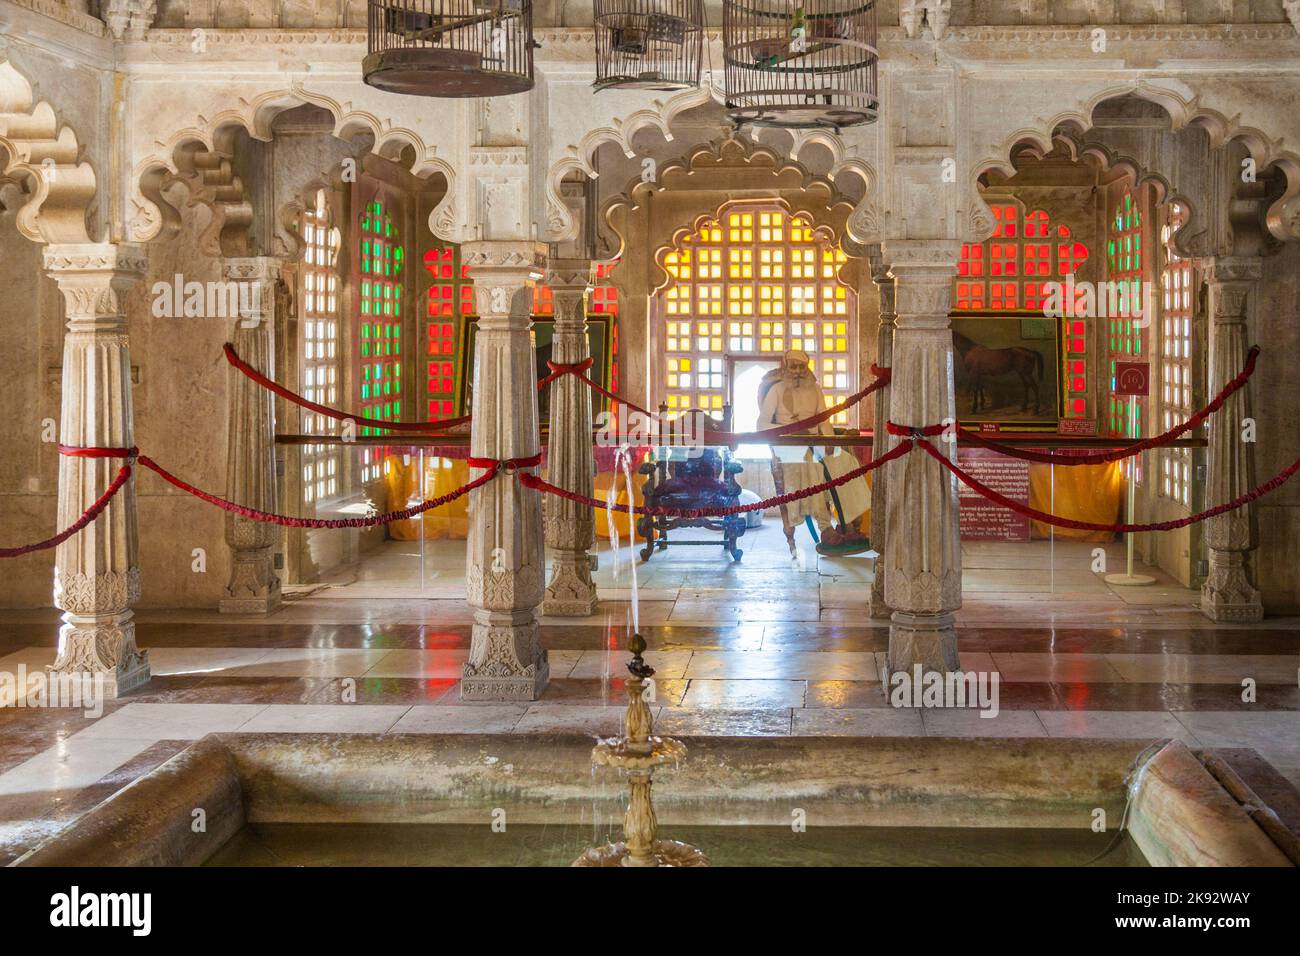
<point x="450" y="47"/>
<point x="800" y="63"/>
<point x="648" y="44"/>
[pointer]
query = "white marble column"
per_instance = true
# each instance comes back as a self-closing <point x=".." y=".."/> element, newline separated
<point x="922" y="535"/>
<point x="506" y="561"/>
<point x="880" y="444"/>
<point x="570" y="527"/>
<point x="96" y="571"/>
<point x="1229" y="592"/>
<point x="254" y="587"/>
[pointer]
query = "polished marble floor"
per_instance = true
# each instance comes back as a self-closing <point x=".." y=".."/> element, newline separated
<point x="750" y="649"/>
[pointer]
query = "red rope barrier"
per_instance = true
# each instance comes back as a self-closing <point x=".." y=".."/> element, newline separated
<point x="87" y="516"/>
<point x="538" y="483"/>
<point x="1273" y="483"/>
<point x="285" y="521"/>
<point x="1097" y="458"/>
<point x="436" y="424"/>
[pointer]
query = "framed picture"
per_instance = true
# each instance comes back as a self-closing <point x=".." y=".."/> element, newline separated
<point x="600" y="335"/>
<point x="1007" y="370"/>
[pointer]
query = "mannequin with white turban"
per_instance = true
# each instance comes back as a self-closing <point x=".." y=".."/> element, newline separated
<point x="789" y="394"/>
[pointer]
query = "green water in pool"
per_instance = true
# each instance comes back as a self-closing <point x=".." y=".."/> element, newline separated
<point x="293" y="844"/>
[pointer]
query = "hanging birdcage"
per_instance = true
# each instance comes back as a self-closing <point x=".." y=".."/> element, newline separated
<point x="450" y="47"/>
<point x="800" y="63"/>
<point x="648" y="44"/>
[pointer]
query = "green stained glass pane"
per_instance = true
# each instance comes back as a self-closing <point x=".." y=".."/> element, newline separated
<point x="1128" y="200"/>
<point x="365" y="391"/>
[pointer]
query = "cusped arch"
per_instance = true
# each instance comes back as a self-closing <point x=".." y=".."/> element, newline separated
<point x="183" y="155"/>
<point x="37" y="150"/>
<point x="1283" y="217"/>
<point x="562" y="226"/>
<point x="798" y="191"/>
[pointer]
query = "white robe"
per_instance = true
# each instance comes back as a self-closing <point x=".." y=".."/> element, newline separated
<point x="789" y="401"/>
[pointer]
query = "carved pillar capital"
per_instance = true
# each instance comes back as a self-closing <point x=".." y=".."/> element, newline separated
<point x="96" y="571"/>
<point x="501" y="271"/>
<point x="94" y="279"/>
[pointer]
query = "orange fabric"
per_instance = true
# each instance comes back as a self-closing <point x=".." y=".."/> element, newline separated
<point x="441" y="476"/>
<point x="1083" y="492"/>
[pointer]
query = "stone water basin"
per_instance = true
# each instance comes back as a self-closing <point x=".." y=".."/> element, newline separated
<point x="329" y="799"/>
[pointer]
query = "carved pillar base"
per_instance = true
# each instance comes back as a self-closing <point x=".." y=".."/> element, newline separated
<point x="571" y="592"/>
<point x="1227" y="595"/>
<point x="101" y="649"/>
<point x="926" y="639"/>
<point x="506" y="662"/>
<point x="254" y="587"/>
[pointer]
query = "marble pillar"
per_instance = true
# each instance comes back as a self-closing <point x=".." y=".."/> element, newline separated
<point x="570" y="527"/>
<point x="922" y="554"/>
<point x="254" y="587"/>
<point x="880" y="444"/>
<point x="1229" y="592"/>
<point x="96" y="571"/>
<point x="506" y="560"/>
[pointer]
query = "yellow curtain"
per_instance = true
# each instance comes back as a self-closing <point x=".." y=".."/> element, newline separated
<point x="441" y="476"/>
<point x="1083" y="493"/>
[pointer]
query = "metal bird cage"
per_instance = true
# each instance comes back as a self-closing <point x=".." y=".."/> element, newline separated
<point x="800" y="63"/>
<point x="648" y="44"/>
<point x="450" y="47"/>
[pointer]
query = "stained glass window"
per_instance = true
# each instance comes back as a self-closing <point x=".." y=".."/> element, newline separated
<point x="1016" y="269"/>
<point x="1125" y="415"/>
<point x="319" y="345"/>
<point x="379" y="353"/>
<point x="754" y="282"/>
<point x="450" y="299"/>
<point x="1177" y="396"/>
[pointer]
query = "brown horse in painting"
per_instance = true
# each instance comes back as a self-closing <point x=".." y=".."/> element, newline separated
<point x="982" y="362"/>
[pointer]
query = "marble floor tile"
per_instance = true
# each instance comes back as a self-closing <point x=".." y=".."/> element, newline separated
<point x="845" y="722"/>
<point x="69" y="765"/>
<point x="969" y="723"/>
<point x="683" y="722"/>
<point x="325" y="718"/>
<point x="851" y="694"/>
<point x="460" y="719"/>
<point x="421" y="663"/>
<point x="1068" y="668"/>
<point x="668" y="665"/>
<point x="170" y="721"/>
<point x="1115" y="723"/>
<point x="1274" y="732"/>
<point x="314" y="662"/>
<point x="744" y="694"/>
<point x="786" y="665"/>
<point x="593" y="720"/>
<point x="1207" y="669"/>
<point x="204" y="660"/>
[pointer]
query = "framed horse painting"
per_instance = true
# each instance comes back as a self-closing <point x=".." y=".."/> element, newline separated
<point x="1007" y="370"/>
